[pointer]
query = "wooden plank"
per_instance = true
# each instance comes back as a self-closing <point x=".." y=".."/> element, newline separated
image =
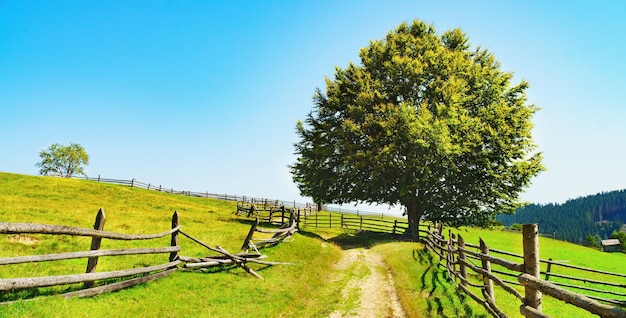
<point x="84" y="254"/>
<point x="549" y="261"/>
<point x="31" y="228"/>
<point x="570" y="297"/>
<point x="496" y="279"/>
<point x="31" y="282"/>
<point x="92" y="262"/>
<point x="117" y="286"/>
<point x="585" y="280"/>
<point x="496" y="260"/>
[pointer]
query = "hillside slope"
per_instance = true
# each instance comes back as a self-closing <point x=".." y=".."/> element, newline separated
<point x="595" y="215"/>
<point x="129" y="210"/>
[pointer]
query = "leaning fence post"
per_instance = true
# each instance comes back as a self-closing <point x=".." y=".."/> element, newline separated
<point x="484" y="249"/>
<point x="246" y="242"/>
<point x="462" y="269"/>
<point x="174" y="241"/>
<point x="531" y="263"/>
<point x="95" y="245"/>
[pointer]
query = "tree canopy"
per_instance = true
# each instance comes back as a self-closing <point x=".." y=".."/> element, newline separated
<point x="63" y="161"/>
<point x="424" y="121"/>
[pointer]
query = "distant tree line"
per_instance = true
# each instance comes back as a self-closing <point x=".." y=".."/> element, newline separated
<point x="584" y="220"/>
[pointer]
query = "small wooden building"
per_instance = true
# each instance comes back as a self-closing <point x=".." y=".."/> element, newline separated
<point x="610" y="245"/>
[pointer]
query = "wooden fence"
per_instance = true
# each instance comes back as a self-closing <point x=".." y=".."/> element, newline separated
<point x="272" y="212"/>
<point x="457" y="256"/>
<point x="226" y="197"/>
<point x="239" y="198"/>
<point x="277" y="235"/>
<point x="370" y="223"/>
<point x="129" y="277"/>
<point x="88" y="279"/>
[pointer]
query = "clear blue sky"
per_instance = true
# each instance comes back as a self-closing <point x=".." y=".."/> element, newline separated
<point x="204" y="95"/>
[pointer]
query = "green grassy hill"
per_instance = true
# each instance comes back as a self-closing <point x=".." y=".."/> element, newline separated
<point x="131" y="210"/>
<point x="311" y="288"/>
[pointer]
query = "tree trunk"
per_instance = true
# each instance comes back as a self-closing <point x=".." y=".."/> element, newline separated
<point x="414" y="214"/>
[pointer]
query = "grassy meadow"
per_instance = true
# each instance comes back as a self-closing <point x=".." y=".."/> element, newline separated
<point x="286" y="290"/>
<point x="311" y="288"/>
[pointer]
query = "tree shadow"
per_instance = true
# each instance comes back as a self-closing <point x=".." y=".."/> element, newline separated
<point x="361" y="239"/>
<point x="351" y="239"/>
<point x="440" y="293"/>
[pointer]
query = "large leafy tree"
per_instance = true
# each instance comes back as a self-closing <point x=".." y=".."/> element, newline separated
<point x="424" y="121"/>
<point x="63" y="161"/>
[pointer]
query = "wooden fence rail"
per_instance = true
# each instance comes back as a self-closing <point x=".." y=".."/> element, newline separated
<point x="361" y="223"/>
<point x="129" y="276"/>
<point x="219" y="196"/>
<point x="271" y="212"/>
<point x="233" y="197"/>
<point x="90" y="276"/>
<point x="455" y="255"/>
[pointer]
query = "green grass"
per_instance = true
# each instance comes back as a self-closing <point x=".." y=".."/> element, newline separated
<point x="311" y="288"/>
<point x="286" y="290"/>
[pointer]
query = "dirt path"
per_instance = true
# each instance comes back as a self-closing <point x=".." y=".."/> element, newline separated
<point x="370" y="287"/>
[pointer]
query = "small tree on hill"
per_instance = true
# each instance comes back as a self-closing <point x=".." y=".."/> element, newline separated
<point x="63" y="161"/>
<point x="425" y="122"/>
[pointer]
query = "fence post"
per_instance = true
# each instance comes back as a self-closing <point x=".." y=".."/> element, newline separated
<point x="462" y="269"/>
<point x="316" y="220"/>
<point x="395" y="224"/>
<point x="548" y="269"/>
<point x="98" y="178"/>
<point x="174" y="241"/>
<point x="246" y="242"/>
<point x="531" y="263"/>
<point x="132" y="183"/>
<point x="282" y="215"/>
<point x="297" y="219"/>
<point x="484" y="249"/>
<point x="361" y="224"/>
<point x="451" y="241"/>
<point x="330" y="220"/>
<point x="95" y="245"/>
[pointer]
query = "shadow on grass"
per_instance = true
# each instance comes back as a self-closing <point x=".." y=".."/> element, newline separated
<point x="443" y="300"/>
<point x="355" y="239"/>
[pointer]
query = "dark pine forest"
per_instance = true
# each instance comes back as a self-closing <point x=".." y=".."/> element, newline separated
<point x="576" y="220"/>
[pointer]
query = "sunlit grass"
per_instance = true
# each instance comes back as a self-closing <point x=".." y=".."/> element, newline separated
<point x="286" y="290"/>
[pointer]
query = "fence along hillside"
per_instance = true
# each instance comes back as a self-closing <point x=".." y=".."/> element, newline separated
<point x="226" y="197"/>
<point x="94" y="283"/>
<point x="250" y="200"/>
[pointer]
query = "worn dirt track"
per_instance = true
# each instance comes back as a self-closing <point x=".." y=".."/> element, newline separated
<point x="377" y="296"/>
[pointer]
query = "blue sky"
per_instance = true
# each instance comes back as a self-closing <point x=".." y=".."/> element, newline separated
<point x="204" y="95"/>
